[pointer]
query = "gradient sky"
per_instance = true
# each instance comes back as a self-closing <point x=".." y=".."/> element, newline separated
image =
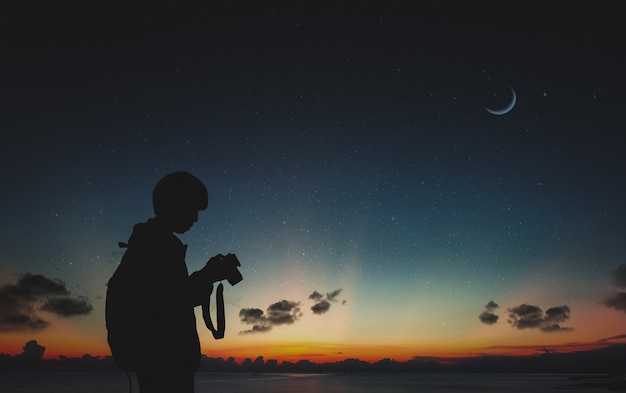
<point x="348" y="156"/>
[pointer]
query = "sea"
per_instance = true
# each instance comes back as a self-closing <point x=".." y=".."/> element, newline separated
<point x="117" y="382"/>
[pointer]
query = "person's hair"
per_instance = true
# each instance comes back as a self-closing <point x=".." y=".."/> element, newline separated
<point x="178" y="189"/>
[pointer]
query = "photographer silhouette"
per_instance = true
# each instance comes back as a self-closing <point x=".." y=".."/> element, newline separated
<point x="151" y="297"/>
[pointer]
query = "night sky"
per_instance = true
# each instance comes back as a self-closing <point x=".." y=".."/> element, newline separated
<point x="377" y="208"/>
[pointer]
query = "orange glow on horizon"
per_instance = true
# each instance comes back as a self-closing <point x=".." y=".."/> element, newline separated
<point x="74" y="346"/>
<point x="319" y="353"/>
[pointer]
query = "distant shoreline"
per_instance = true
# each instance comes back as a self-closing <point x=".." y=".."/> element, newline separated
<point x="605" y="361"/>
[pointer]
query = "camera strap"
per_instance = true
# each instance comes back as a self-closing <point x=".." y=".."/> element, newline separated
<point x="221" y="320"/>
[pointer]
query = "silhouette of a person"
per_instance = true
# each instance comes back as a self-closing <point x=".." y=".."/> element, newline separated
<point x="151" y="297"/>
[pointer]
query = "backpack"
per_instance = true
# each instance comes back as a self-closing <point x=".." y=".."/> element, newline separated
<point x="121" y="334"/>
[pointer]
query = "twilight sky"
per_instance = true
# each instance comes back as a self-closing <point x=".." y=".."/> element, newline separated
<point x="376" y="207"/>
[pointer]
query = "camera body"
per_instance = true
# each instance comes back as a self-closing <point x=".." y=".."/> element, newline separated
<point x="230" y="264"/>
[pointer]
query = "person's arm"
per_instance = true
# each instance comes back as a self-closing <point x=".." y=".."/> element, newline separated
<point x="201" y="282"/>
<point x="200" y="288"/>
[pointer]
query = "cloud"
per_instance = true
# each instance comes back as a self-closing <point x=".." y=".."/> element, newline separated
<point x="491" y="306"/>
<point x="613" y="338"/>
<point x="67" y="306"/>
<point x="333" y="295"/>
<point x="488" y="317"/>
<point x="557" y="314"/>
<point x="284" y="312"/>
<point x="257" y="329"/>
<point x="619" y="276"/>
<point x="316" y="296"/>
<point x="555" y="327"/>
<point x="616" y="301"/>
<point x="21" y="301"/>
<point x="32" y="287"/>
<point x="526" y="316"/>
<point x="322" y="305"/>
<point x="251" y="316"/>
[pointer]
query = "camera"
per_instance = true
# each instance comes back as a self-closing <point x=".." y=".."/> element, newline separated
<point x="233" y="275"/>
<point x="223" y="267"/>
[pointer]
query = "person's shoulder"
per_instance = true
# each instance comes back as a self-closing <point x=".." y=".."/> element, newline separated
<point x="144" y="232"/>
<point x="149" y="233"/>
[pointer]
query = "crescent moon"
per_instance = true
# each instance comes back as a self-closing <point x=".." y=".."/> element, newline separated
<point x="506" y="109"/>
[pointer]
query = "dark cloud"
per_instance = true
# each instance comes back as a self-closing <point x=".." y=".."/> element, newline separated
<point x="316" y="296"/>
<point x="491" y="306"/>
<point x="616" y="301"/>
<point x="251" y="316"/>
<point x="619" y="276"/>
<point x="20" y="302"/>
<point x="618" y="337"/>
<point x="333" y="295"/>
<point x="320" y="307"/>
<point x="284" y="312"/>
<point x="67" y="306"/>
<point x="555" y="328"/>
<point x="31" y="287"/>
<point x="526" y="316"/>
<point x="488" y="317"/>
<point x="257" y="329"/>
<point x="19" y="318"/>
<point x="557" y="314"/>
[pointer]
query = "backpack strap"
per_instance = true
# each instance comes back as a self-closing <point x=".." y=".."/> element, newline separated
<point x="221" y="320"/>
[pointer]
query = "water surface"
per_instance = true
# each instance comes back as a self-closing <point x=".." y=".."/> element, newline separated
<point x="114" y="382"/>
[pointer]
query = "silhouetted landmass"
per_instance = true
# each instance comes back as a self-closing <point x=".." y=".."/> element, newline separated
<point x="609" y="360"/>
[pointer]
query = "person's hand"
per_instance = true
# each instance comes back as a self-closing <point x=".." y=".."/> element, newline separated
<point x="215" y="268"/>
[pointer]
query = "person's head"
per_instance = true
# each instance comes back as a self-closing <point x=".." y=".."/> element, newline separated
<point x="177" y="198"/>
